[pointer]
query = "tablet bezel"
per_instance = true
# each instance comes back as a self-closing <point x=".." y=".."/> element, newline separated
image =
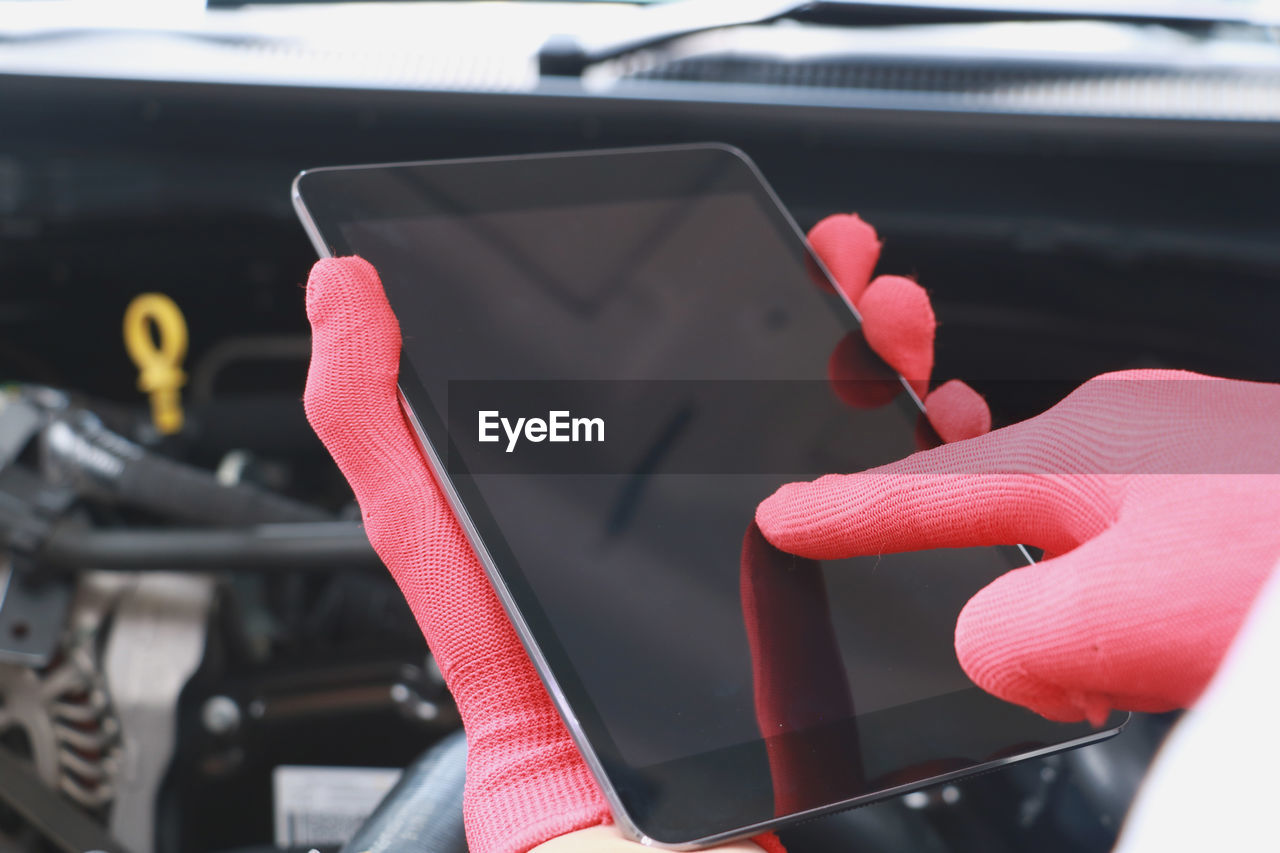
<point x="716" y="796"/>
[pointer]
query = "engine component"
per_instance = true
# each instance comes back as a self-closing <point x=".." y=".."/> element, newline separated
<point x="59" y="823"/>
<point x="59" y="717"/>
<point x="98" y="725"/>
<point x="157" y="642"/>
<point x="423" y="812"/>
<point x="79" y="452"/>
<point x="313" y="546"/>
<point x="159" y="365"/>
<point x="62" y="720"/>
<point x="32" y="613"/>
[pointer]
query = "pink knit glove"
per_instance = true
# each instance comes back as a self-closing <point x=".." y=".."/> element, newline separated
<point x="1156" y="492"/>
<point x="526" y="782"/>
<point x="899" y="326"/>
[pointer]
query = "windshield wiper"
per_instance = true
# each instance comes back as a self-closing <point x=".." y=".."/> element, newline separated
<point x="571" y="55"/>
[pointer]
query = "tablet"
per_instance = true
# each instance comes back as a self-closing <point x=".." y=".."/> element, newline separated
<point x="611" y="358"/>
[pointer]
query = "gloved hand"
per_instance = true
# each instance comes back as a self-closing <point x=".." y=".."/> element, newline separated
<point x="899" y="326"/>
<point x="1155" y="495"/>
<point x="526" y="782"/>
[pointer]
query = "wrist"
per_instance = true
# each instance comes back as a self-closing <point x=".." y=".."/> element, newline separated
<point x="526" y="782"/>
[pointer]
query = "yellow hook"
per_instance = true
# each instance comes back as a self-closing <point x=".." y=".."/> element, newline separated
<point x="158" y="356"/>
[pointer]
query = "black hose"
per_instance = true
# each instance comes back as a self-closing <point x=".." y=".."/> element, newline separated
<point x="315" y="546"/>
<point x="423" y="812"/>
<point x="98" y="463"/>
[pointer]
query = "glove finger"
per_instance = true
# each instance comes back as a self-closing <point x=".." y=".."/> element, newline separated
<point x="1090" y="631"/>
<point x="849" y="248"/>
<point x="898" y="322"/>
<point x="989" y="490"/>
<point x="957" y="412"/>
<point x="525" y="780"/>
<point x="351" y="399"/>
<point x="352" y="403"/>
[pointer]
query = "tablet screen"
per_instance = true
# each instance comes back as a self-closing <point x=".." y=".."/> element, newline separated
<point x="691" y="326"/>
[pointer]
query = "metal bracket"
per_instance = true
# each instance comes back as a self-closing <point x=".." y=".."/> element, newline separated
<point x="33" y="612"/>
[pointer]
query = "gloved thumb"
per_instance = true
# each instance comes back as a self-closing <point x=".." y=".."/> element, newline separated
<point x="353" y="404"/>
<point x="1070" y="637"/>
<point x="351" y="398"/>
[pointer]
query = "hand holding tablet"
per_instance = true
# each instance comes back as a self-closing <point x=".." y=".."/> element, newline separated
<point x="525" y="780"/>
